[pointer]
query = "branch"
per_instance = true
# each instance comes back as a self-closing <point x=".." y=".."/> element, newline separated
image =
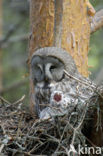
<point x="97" y="21"/>
<point x="19" y="38"/>
<point x="15" y="39"/>
<point x="13" y="86"/>
<point x="11" y="31"/>
<point x="4" y="100"/>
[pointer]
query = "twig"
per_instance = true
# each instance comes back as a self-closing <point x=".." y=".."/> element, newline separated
<point x="14" y="39"/>
<point x="1" y="147"/>
<point x="19" y="101"/>
<point x="53" y="138"/>
<point x="94" y="87"/>
<point x="10" y="32"/>
<point x="97" y="21"/>
<point x="3" y="129"/>
<point x="9" y="115"/>
<point x="18" y="151"/>
<point x="78" y="127"/>
<point x="81" y="81"/>
<point x="18" y="38"/>
<point x="2" y="99"/>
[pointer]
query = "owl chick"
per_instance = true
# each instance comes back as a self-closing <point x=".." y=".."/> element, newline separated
<point x="54" y="92"/>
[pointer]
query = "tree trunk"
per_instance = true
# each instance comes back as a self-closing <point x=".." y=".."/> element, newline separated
<point x="62" y="21"/>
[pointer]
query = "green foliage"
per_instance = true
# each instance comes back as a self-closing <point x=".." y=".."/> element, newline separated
<point x="96" y="51"/>
<point x="15" y="53"/>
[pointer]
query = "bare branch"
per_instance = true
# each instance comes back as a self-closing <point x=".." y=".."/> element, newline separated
<point x="15" y="39"/>
<point x="97" y="21"/>
<point x="13" y="86"/>
<point x="20" y="100"/>
<point x="11" y="31"/>
<point x="4" y="100"/>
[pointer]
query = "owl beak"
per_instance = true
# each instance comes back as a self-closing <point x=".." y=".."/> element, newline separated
<point x="47" y="79"/>
<point x="47" y="82"/>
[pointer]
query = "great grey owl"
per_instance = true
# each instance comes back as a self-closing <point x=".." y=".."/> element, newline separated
<point x="54" y="92"/>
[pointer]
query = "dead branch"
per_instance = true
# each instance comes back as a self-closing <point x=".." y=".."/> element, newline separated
<point x="11" y="31"/>
<point x="87" y="82"/>
<point x="81" y="81"/>
<point x="18" y="38"/>
<point x="20" y="100"/>
<point x="13" y="86"/>
<point x="4" y="100"/>
<point x="97" y="21"/>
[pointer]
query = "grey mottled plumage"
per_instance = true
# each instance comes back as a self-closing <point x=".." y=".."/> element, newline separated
<point x="55" y="93"/>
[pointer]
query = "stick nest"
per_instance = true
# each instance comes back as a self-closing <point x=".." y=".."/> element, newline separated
<point x="20" y="134"/>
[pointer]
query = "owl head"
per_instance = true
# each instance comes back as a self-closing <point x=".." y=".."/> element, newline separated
<point x="48" y="64"/>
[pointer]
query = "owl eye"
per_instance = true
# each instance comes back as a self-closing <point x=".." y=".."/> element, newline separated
<point x="52" y="67"/>
<point x="37" y="73"/>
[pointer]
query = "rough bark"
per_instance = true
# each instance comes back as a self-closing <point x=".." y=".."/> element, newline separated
<point x="74" y="28"/>
<point x="58" y="17"/>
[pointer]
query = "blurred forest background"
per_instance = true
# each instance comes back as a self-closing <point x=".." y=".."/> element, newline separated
<point x="14" y="48"/>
